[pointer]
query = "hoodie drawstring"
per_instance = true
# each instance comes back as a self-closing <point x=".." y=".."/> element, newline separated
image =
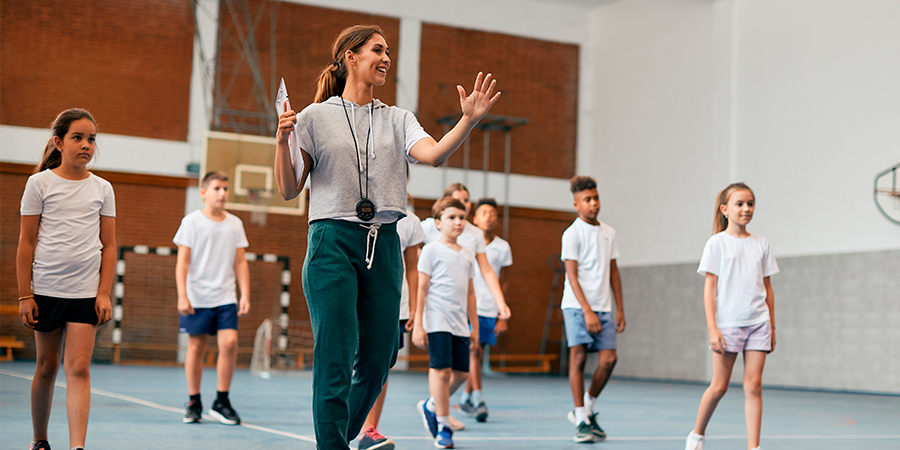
<point x="373" y="236"/>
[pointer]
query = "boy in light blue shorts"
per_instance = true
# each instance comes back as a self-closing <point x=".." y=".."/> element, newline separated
<point x="589" y="250"/>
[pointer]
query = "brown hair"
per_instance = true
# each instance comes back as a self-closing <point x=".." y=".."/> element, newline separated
<point x="720" y="222"/>
<point x="52" y="157"/>
<point x="580" y="183"/>
<point x="453" y="188"/>
<point x="442" y="204"/>
<point x="214" y="175"/>
<point x="333" y="77"/>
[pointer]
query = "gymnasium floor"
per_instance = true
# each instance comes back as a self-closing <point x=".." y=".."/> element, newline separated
<point x="137" y="407"/>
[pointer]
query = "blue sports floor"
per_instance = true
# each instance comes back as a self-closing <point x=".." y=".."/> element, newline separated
<point x="136" y="407"/>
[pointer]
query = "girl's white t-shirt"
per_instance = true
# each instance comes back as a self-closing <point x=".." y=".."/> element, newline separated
<point x="411" y="234"/>
<point x="67" y="254"/>
<point x="593" y="247"/>
<point x="447" y="299"/>
<point x="211" y="280"/>
<point x="471" y="238"/>
<point x="740" y="265"/>
<point x="499" y="255"/>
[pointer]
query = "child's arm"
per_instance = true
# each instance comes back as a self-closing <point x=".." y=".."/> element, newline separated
<point x="490" y="279"/>
<point x="410" y="257"/>
<point x="716" y="341"/>
<point x="501" y="326"/>
<point x="28" y="233"/>
<point x="616" y="281"/>
<point x="419" y="337"/>
<point x="472" y="309"/>
<point x="181" y="271"/>
<point x="770" y="302"/>
<point x="590" y="319"/>
<point x="103" y="306"/>
<point x="242" y="273"/>
<point x="285" y="174"/>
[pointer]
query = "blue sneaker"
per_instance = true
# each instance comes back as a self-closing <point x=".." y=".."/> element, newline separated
<point x="444" y="439"/>
<point x="429" y="419"/>
<point x="467" y="407"/>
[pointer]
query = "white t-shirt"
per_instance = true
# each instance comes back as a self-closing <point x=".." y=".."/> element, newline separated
<point x="211" y="280"/>
<point x="499" y="255"/>
<point x="593" y="247"/>
<point x="447" y="300"/>
<point x="67" y="254"/>
<point x="471" y="238"/>
<point x="740" y="265"/>
<point x="411" y="234"/>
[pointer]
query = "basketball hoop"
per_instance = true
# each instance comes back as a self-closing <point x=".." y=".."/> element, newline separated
<point x="887" y="194"/>
<point x="259" y="200"/>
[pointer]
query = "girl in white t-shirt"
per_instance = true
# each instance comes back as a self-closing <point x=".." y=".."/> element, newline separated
<point x="64" y="267"/>
<point x="740" y="309"/>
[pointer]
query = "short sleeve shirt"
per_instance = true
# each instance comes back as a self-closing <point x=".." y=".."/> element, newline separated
<point x="67" y="255"/>
<point x="499" y="255"/>
<point x="447" y="299"/>
<point x="740" y="264"/>
<point x="593" y="247"/>
<point x="211" y="280"/>
<point x="472" y="237"/>
<point x="411" y="234"/>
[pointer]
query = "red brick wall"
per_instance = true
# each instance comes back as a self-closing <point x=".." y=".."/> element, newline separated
<point x="126" y="61"/>
<point x="539" y="80"/>
<point x="303" y="47"/>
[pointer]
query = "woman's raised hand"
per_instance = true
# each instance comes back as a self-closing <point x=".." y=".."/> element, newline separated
<point x="479" y="102"/>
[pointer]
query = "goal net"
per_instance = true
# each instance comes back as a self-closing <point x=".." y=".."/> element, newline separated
<point x="281" y="347"/>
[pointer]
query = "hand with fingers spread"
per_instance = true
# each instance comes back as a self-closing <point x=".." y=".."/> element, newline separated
<point x="475" y="105"/>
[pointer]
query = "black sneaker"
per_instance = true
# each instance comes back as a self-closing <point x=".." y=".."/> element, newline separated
<point x="40" y="445"/>
<point x="595" y="427"/>
<point x="223" y="412"/>
<point x="481" y="412"/>
<point x="193" y="411"/>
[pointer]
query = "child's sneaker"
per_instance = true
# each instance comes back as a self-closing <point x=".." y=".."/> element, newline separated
<point x="40" y="445"/>
<point x="429" y="419"/>
<point x="456" y="425"/>
<point x="372" y="439"/>
<point x="584" y="434"/>
<point x="481" y="413"/>
<point x="192" y="412"/>
<point x="694" y="442"/>
<point x="444" y="438"/>
<point x="595" y="427"/>
<point x="571" y="417"/>
<point x="223" y="412"/>
<point x="467" y="407"/>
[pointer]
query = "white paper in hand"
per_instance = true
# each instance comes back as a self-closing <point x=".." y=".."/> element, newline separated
<point x="282" y="104"/>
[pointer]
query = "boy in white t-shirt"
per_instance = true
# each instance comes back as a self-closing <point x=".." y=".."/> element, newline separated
<point x="211" y="260"/>
<point x="499" y="255"/>
<point x="589" y="250"/>
<point x="445" y="308"/>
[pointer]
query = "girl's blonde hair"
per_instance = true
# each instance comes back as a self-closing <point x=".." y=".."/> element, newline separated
<point x="333" y="77"/>
<point x="721" y="222"/>
<point x="52" y="157"/>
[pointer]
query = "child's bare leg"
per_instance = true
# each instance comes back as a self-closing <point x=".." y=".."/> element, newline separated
<point x="577" y="356"/>
<point x="457" y="379"/>
<point x="753" y="368"/>
<point x="476" y="358"/>
<point x="722" y="365"/>
<point x="48" y="347"/>
<point x="439" y="385"/>
<point x="193" y="362"/>
<point x="375" y="413"/>
<point x="601" y="376"/>
<point x="79" y="348"/>
<point x="227" y="341"/>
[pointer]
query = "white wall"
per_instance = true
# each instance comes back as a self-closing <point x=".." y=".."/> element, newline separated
<point x="800" y="99"/>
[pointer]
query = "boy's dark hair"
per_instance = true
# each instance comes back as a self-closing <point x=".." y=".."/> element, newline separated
<point x="214" y="175"/>
<point x="580" y="183"/>
<point x="442" y="204"/>
<point x="453" y="188"/>
<point x="486" y="201"/>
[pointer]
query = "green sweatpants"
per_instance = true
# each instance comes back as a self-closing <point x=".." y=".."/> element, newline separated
<point x="354" y="312"/>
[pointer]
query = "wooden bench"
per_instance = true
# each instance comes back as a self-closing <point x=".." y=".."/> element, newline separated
<point x="542" y="362"/>
<point x="8" y="343"/>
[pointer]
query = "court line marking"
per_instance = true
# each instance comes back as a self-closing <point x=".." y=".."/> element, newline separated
<point x="468" y="438"/>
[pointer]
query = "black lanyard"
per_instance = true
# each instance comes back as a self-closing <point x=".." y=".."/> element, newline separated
<point x="365" y="209"/>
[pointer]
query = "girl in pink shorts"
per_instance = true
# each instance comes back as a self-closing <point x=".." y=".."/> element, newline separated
<point x="740" y="309"/>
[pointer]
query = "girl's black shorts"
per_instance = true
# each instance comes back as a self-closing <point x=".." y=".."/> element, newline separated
<point x="54" y="313"/>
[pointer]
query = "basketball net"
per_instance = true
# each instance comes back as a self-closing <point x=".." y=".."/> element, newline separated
<point x="259" y="201"/>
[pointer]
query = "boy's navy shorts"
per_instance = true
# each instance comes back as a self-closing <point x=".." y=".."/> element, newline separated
<point x="209" y="320"/>
<point x="402" y="330"/>
<point x="54" y="313"/>
<point x="448" y="351"/>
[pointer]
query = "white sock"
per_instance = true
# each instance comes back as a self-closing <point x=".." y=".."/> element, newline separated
<point x="464" y="397"/>
<point x="589" y="403"/>
<point x="581" y="414"/>
<point x="429" y="405"/>
<point x="695" y="437"/>
<point x="476" y="397"/>
<point x="443" y="421"/>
